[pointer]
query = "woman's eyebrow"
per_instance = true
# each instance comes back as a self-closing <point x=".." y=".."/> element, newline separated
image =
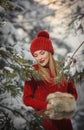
<point x="41" y="51"/>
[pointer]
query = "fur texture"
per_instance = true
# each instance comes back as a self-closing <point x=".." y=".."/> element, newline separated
<point x="63" y="105"/>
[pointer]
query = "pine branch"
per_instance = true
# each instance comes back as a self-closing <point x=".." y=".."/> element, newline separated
<point x="14" y="111"/>
<point x="63" y="69"/>
<point x="6" y="4"/>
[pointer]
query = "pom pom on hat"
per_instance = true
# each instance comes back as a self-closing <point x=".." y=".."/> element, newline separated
<point x="43" y="34"/>
<point x="41" y="42"/>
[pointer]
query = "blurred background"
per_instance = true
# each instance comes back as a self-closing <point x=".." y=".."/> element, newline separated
<point x="20" y="20"/>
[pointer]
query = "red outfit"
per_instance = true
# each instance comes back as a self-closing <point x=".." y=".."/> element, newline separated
<point x="35" y="93"/>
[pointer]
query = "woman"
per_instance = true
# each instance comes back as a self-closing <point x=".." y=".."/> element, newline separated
<point x="35" y="92"/>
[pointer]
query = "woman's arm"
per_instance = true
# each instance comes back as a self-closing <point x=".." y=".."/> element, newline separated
<point x="72" y="88"/>
<point x="29" y="96"/>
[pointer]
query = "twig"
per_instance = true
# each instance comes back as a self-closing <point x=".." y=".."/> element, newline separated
<point x="77" y="49"/>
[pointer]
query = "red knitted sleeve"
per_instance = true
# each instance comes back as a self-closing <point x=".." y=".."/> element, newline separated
<point x="28" y="96"/>
<point x="72" y="89"/>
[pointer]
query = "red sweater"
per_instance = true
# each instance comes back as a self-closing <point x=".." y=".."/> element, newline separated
<point x="35" y="93"/>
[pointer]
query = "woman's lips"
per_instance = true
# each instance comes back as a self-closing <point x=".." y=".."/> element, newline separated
<point x="42" y="61"/>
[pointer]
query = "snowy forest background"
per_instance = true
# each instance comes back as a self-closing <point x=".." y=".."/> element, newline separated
<point x="20" y="20"/>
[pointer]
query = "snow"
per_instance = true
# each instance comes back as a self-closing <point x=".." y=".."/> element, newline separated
<point x="21" y="48"/>
<point x="17" y="105"/>
<point x="76" y="63"/>
<point x="9" y="69"/>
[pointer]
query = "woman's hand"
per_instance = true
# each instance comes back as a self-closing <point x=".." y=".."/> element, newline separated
<point x="49" y="106"/>
<point x="43" y="112"/>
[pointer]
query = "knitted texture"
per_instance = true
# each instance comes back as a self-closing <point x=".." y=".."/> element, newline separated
<point x="42" y="41"/>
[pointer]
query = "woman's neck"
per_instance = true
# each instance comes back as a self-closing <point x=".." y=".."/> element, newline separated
<point x="47" y="65"/>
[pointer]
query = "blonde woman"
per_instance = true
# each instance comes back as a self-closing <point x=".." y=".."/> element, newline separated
<point x="36" y="92"/>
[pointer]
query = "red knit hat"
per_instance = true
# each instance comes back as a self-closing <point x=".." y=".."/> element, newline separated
<point x="41" y="42"/>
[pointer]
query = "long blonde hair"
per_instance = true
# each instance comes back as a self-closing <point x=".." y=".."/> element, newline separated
<point x="52" y="67"/>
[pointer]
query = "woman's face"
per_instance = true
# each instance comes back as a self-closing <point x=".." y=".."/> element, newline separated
<point x="42" y="57"/>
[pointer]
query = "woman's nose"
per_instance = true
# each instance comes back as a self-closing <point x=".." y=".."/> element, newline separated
<point x="39" y="57"/>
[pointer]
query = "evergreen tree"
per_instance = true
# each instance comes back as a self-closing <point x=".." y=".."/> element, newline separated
<point x="14" y="69"/>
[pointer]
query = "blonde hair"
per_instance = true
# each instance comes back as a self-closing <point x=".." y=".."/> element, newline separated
<point x="52" y="67"/>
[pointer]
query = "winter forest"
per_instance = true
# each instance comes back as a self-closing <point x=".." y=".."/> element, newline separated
<point x="20" y="20"/>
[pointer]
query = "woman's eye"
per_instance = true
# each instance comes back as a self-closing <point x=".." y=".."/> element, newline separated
<point x="35" y="55"/>
<point x="42" y="52"/>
